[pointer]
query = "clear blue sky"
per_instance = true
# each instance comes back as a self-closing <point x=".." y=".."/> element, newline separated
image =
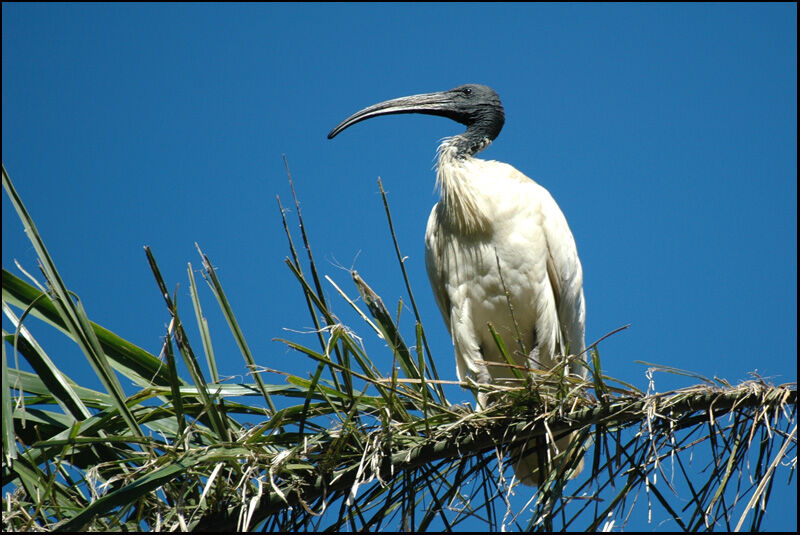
<point x="666" y="133"/>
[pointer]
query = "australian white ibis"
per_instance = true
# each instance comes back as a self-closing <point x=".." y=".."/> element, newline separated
<point x="498" y="251"/>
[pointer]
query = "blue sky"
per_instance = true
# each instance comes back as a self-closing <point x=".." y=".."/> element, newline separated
<point x="666" y="133"/>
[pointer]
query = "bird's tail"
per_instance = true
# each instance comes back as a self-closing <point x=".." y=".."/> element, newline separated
<point x="533" y="463"/>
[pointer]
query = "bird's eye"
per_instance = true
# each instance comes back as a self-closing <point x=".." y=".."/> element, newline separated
<point x="467" y="90"/>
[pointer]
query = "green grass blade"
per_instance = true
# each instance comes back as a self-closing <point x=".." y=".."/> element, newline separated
<point x="216" y="287"/>
<point x="501" y="346"/>
<point x="71" y="311"/>
<point x="9" y="436"/>
<point x="217" y="423"/>
<point x="388" y="328"/>
<point x="33" y="384"/>
<point x="126" y="495"/>
<point x="133" y="362"/>
<point x="57" y="383"/>
<point x="202" y="325"/>
<point x="402" y="261"/>
<point x="177" y="398"/>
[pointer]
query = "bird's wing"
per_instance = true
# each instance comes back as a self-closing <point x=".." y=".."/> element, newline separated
<point x="455" y="309"/>
<point x="564" y="272"/>
<point x="433" y="263"/>
<point x="566" y="277"/>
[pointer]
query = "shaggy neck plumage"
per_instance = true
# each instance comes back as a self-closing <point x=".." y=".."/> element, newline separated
<point x="460" y="206"/>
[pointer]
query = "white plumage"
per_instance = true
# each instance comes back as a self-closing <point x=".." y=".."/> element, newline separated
<point x="492" y="215"/>
<point x="495" y="236"/>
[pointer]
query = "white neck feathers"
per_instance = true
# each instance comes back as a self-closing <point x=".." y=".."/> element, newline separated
<point x="459" y="178"/>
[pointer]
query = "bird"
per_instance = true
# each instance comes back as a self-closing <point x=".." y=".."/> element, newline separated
<point x="499" y="251"/>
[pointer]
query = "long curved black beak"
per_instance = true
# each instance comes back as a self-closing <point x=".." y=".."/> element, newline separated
<point x="440" y="103"/>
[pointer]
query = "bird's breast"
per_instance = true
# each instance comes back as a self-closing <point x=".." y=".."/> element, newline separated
<point x="499" y="252"/>
<point x="489" y="250"/>
<point x="498" y="278"/>
<point x="479" y="196"/>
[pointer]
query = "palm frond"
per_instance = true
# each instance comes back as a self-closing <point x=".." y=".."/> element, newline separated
<point x="364" y="441"/>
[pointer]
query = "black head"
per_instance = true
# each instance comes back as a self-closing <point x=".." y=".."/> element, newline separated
<point x="476" y="106"/>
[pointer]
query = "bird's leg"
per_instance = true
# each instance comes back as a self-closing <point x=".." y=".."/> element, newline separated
<point x="534" y="362"/>
<point x="483" y="377"/>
